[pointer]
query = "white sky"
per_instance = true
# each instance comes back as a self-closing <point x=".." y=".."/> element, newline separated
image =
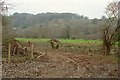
<point x="90" y="8"/>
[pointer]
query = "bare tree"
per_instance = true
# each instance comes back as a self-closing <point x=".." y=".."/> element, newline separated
<point x="111" y="27"/>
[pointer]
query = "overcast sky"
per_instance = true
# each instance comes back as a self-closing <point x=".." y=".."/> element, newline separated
<point x="90" y="8"/>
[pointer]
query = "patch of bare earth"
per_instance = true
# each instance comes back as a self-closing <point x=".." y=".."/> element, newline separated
<point x="56" y="64"/>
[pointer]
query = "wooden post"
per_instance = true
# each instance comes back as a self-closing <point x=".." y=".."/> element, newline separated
<point x="9" y="50"/>
<point x="46" y="48"/>
<point x="32" y="48"/>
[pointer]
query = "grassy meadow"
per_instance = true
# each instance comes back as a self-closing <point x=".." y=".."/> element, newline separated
<point x="77" y="41"/>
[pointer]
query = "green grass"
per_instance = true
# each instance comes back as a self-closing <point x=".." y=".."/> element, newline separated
<point x="61" y="40"/>
<point x="32" y="39"/>
<point x="80" y="41"/>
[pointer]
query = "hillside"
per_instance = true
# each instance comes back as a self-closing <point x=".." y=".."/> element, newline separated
<point x="56" y="25"/>
<point x="26" y="20"/>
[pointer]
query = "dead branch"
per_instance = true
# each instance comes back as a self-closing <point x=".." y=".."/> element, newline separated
<point x="41" y="55"/>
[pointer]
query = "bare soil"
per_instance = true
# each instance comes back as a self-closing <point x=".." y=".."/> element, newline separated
<point x="60" y="64"/>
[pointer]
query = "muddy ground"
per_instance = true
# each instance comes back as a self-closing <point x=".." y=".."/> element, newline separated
<point x="62" y="64"/>
<point x="68" y="61"/>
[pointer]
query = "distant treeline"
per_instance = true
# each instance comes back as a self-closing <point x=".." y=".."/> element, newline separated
<point x="55" y="25"/>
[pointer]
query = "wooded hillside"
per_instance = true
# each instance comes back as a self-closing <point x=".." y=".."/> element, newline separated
<point x="57" y="25"/>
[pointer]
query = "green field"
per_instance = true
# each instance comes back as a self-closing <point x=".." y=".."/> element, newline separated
<point x="61" y="40"/>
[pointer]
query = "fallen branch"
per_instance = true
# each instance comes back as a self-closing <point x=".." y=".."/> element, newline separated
<point x="41" y="55"/>
<point x="17" y="48"/>
<point x="19" y="45"/>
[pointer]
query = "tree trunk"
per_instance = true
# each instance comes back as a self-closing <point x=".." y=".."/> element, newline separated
<point x="106" y="41"/>
<point x="106" y="48"/>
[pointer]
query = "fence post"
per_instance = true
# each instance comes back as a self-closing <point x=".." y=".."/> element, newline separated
<point x="9" y="52"/>
<point x="32" y="48"/>
<point x="46" y="48"/>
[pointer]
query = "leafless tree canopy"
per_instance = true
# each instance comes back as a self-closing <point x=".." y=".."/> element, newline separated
<point x="111" y="27"/>
<point x="3" y="7"/>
